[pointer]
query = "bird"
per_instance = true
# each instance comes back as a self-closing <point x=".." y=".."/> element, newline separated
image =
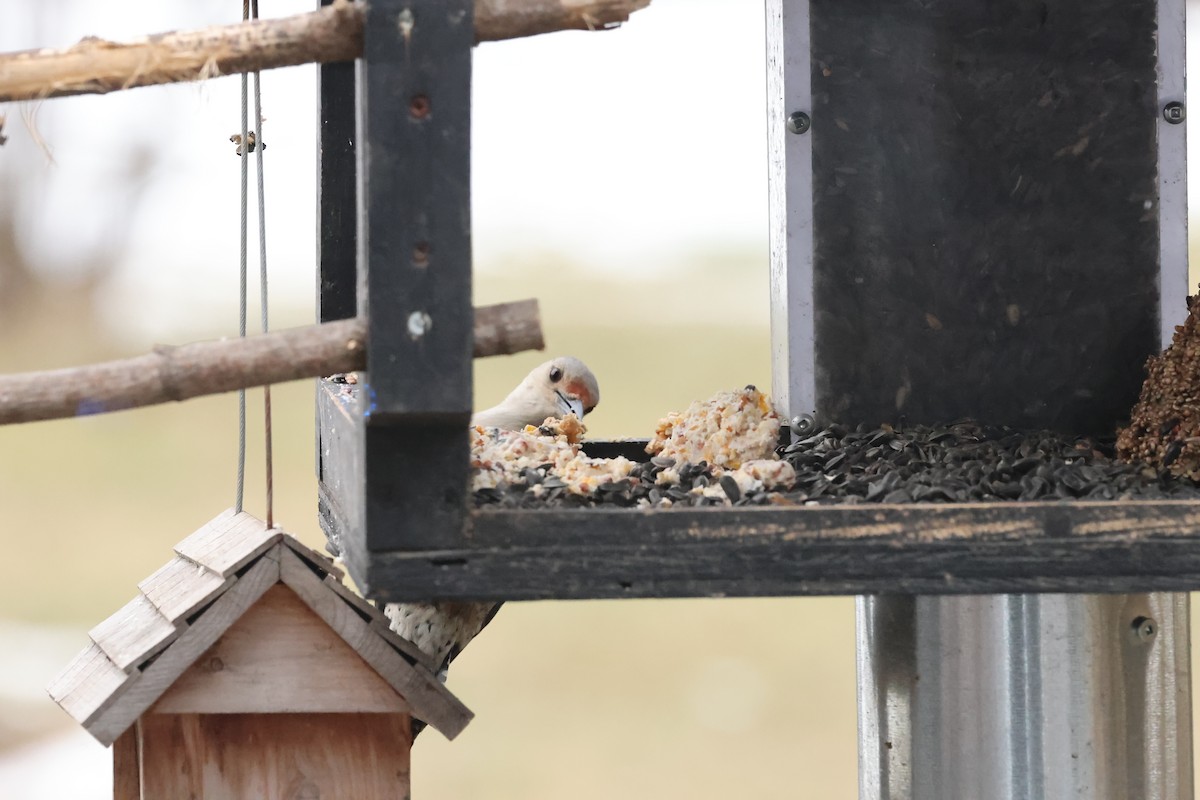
<point x="556" y="388"/>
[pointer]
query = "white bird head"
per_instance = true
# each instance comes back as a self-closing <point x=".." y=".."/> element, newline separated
<point x="556" y="388"/>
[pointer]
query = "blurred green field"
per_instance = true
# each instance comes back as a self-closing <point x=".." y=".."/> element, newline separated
<point x="639" y="699"/>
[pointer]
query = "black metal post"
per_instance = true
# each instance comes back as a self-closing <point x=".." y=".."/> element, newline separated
<point x="414" y="270"/>
<point x="337" y="223"/>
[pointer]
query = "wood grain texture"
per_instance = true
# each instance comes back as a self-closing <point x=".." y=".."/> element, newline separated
<point x="89" y="684"/>
<point x="508" y="328"/>
<point x="379" y="623"/>
<point x="127" y="784"/>
<point x="133" y="634"/>
<point x="429" y="699"/>
<point x="276" y="756"/>
<point x="312" y="556"/>
<point x="509" y="19"/>
<point x="180" y="587"/>
<point x="202" y="368"/>
<point x="154" y="680"/>
<point x="179" y="373"/>
<point x="860" y="549"/>
<point x="404" y="646"/>
<point x="279" y="657"/>
<point x="331" y="34"/>
<point x="229" y="542"/>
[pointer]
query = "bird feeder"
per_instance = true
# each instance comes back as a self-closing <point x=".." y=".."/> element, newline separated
<point x="977" y="210"/>
<point x="244" y="668"/>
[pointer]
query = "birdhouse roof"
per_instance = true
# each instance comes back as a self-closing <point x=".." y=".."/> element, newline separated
<point x="217" y="574"/>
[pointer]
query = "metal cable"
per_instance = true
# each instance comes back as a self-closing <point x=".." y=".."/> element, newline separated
<point x="262" y="281"/>
<point x="241" y="464"/>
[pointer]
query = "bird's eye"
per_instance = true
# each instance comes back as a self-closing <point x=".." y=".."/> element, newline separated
<point x="555" y="374"/>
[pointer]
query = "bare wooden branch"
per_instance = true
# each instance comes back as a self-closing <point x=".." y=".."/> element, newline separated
<point x="192" y="370"/>
<point x="512" y="19"/>
<point x="334" y="33"/>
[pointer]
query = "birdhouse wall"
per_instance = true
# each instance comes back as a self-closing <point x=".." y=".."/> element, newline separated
<point x="280" y="657"/>
<point x="269" y="756"/>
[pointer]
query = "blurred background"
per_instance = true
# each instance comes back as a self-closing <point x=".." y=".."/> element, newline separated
<point x="618" y="177"/>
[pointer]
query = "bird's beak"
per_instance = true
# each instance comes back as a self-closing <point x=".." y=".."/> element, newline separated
<point x="569" y="405"/>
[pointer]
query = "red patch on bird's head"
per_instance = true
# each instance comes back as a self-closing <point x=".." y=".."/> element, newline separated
<point x="579" y="389"/>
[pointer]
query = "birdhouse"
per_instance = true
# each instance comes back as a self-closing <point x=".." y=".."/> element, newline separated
<point x="244" y="668"/>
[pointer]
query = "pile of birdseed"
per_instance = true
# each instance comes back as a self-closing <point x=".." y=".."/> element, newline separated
<point x="966" y="462"/>
<point x="1164" y="427"/>
<point x="960" y="462"/>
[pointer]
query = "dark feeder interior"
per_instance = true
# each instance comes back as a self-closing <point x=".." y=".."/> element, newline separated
<point x="970" y="234"/>
<point x="970" y="269"/>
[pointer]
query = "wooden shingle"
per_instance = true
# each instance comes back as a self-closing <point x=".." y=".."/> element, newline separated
<point x="188" y="605"/>
<point x="175" y="660"/>
<point x="89" y="684"/>
<point x="182" y="587"/>
<point x="134" y="634"/>
<point x="229" y="542"/>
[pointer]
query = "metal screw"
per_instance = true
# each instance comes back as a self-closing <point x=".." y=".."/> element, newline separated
<point x="798" y="122"/>
<point x="419" y="107"/>
<point x="1174" y="112"/>
<point x="406" y="20"/>
<point x="421" y="254"/>
<point x="418" y="324"/>
<point x="1145" y="629"/>
<point x="803" y="424"/>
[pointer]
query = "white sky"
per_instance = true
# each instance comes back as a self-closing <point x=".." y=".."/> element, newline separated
<point x="623" y="150"/>
<point x="618" y="148"/>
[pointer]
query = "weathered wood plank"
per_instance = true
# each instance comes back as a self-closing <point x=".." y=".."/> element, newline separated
<point x="279" y="657"/>
<point x="430" y="700"/>
<point x="901" y="523"/>
<point x="313" y="556"/>
<point x="407" y="648"/>
<point x="133" y="634"/>
<point x="127" y="784"/>
<point x="89" y="684"/>
<point x="180" y="587"/>
<point x="952" y="549"/>
<point x="110" y="723"/>
<point x="379" y="623"/>
<point x="229" y="542"/>
<point x="294" y="755"/>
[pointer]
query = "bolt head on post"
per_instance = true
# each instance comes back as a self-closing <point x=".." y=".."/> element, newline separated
<point x="1145" y="629"/>
<point x="419" y="323"/>
<point x="803" y="424"/>
<point x="798" y="122"/>
<point x="1175" y="112"/>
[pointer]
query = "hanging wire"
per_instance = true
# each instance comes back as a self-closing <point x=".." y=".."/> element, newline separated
<point x="262" y="279"/>
<point x="241" y="463"/>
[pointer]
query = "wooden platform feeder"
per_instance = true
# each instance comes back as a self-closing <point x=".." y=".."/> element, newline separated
<point x="976" y="209"/>
<point x="244" y="668"/>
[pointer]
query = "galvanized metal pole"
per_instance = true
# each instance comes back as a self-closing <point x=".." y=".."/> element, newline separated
<point x="930" y="172"/>
<point x="1024" y="696"/>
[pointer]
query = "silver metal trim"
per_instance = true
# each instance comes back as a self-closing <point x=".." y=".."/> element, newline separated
<point x="1172" y="169"/>
<point x="789" y="89"/>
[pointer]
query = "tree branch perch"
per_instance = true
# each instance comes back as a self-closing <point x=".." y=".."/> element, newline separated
<point x="192" y="370"/>
<point x="334" y="33"/>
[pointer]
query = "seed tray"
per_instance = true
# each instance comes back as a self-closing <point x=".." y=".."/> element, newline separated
<point x="962" y="508"/>
<point x="961" y="462"/>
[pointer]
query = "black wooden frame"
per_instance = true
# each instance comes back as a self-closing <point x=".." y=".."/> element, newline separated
<point x="393" y="476"/>
<point x="395" y="192"/>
